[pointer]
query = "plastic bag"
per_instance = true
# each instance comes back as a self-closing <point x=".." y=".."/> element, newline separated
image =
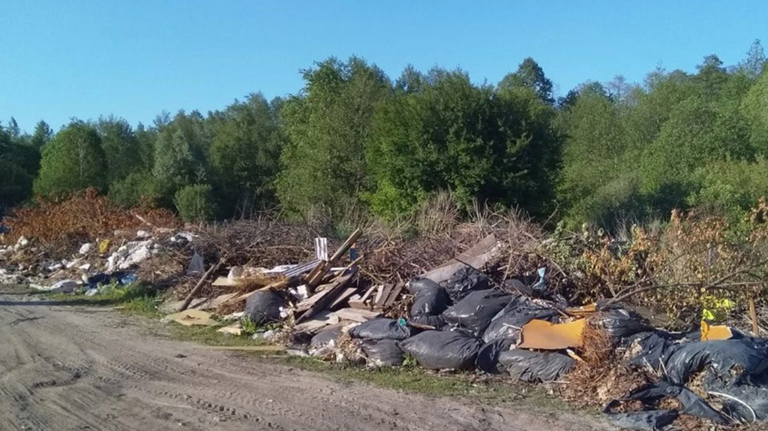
<point x="381" y="329"/>
<point x="443" y="349"/>
<point x="323" y="338"/>
<point x="508" y="322"/>
<point x="488" y="357"/>
<point x="691" y="403"/>
<point x="430" y="301"/>
<point x="383" y="353"/>
<point x="534" y="367"/>
<point x="746" y="402"/>
<point x="418" y="284"/>
<point x="648" y="420"/>
<point x="750" y="355"/>
<point x="464" y="281"/>
<point x="263" y="307"/>
<point x="620" y="323"/>
<point x="477" y="309"/>
<point x="196" y="265"/>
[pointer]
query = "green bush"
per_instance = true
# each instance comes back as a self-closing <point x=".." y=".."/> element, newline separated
<point x="136" y="188"/>
<point x="195" y="203"/>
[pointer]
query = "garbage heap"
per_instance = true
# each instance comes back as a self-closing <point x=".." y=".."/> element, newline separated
<point x="456" y="317"/>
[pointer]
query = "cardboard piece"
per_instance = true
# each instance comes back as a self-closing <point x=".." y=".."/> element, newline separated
<point x="543" y="335"/>
<point x="192" y="317"/>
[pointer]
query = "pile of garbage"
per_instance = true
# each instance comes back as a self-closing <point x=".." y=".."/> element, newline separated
<point x="95" y="266"/>
<point x="459" y="315"/>
<point x="458" y="318"/>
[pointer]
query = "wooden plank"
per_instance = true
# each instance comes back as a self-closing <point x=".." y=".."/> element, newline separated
<point x="332" y="294"/>
<point x="345" y="295"/>
<point x="356" y="315"/>
<point x="307" y="303"/>
<point x="393" y="295"/>
<point x="383" y="296"/>
<point x="326" y="266"/>
<point x="477" y="257"/>
<point x="368" y="293"/>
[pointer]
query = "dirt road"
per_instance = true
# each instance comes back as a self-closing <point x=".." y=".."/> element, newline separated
<point x="83" y="368"/>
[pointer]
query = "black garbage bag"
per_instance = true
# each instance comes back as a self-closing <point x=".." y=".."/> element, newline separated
<point x="745" y="401"/>
<point x="443" y="349"/>
<point x="477" y="309"/>
<point x="655" y="348"/>
<point x="430" y="301"/>
<point x="723" y="355"/>
<point x="692" y="404"/>
<point x="323" y="338"/>
<point x="433" y="321"/>
<point x="383" y="353"/>
<point x="264" y="307"/>
<point x="647" y="420"/>
<point x="464" y="281"/>
<point x="508" y="321"/>
<point x="620" y="323"/>
<point x="381" y="329"/>
<point x="534" y="367"/>
<point x="488" y="355"/>
<point x="418" y="284"/>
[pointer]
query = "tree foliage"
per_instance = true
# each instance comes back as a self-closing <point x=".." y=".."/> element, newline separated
<point x="73" y="160"/>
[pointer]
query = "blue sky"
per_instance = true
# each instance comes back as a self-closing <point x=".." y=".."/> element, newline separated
<point x="134" y="59"/>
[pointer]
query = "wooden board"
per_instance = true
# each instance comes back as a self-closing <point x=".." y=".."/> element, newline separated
<point x="393" y="295"/>
<point x="383" y="295"/>
<point x="330" y="296"/>
<point x="476" y="257"/>
<point x="343" y="297"/>
<point x="356" y="315"/>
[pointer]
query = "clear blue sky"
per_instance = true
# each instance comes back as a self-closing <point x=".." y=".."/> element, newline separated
<point x="77" y="58"/>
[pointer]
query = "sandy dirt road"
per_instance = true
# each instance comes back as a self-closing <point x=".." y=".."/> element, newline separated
<point x="83" y="368"/>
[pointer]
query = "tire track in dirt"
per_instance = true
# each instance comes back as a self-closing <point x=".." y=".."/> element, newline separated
<point x="74" y="368"/>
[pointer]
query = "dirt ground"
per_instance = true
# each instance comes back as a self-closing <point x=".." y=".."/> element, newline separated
<point x="83" y="368"/>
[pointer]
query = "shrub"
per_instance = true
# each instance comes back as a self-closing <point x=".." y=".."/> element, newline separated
<point x="195" y="203"/>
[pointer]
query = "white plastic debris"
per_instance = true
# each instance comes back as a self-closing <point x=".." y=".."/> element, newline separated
<point x="142" y="234"/>
<point x="64" y="286"/>
<point x="196" y="265"/>
<point x="84" y="267"/>
<point x="302" y="292"/>
<point x="130" y="254"/>
<point x="86" y="248"/>
<point x="91" y="292"/>
<point x="234" y="273"/>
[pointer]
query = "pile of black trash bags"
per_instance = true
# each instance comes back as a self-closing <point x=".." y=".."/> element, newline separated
<point x="476" y="327"/>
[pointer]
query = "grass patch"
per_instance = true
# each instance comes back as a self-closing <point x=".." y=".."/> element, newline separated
<point x="136" y="299"/>
<point x="208" y="335"/>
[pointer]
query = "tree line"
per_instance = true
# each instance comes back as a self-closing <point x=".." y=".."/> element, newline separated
<point x="355" y="140"/>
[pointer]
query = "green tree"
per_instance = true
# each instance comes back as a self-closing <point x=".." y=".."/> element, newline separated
<point x="754" y="106"/>
<point x="530" y="75"/>
<point x="180" y="154"/>
<point x="42" y="135"/>
<point x="245" y="155"/>
<point x="195" y="203"/>
<point x="15" y="176"/>
<point x="120" y="147"/>
<point x="137" y="188"/>
<point x="73" y="160"/>
<point x="328" y="127"/>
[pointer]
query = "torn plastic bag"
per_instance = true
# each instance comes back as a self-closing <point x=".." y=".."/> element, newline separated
<point x="533" y="367"/>
<point x="508" y="322"/>
<point x="743" y="401"/>
<point x="488" y="355"/>
<point x="620" y="323"/>
<point x="692" y="404"/>
<point x="648" y="420"/>
<point x="263" y="307"/>
<point x="383" y="353"/>
<point x="430" y="301"/>
<point x="418" y="284"/>
<point x="381" y="329"/>
<point x="196" y="265"/>
<point x="464" y="281"/>
<point x="443" y="349"/>
<point x="323" y="338"/>
<point x="477" y="309"/>
<point x="685" y="359"/>
<point x="433" y="321"/>
<point x="655" y="348"/>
